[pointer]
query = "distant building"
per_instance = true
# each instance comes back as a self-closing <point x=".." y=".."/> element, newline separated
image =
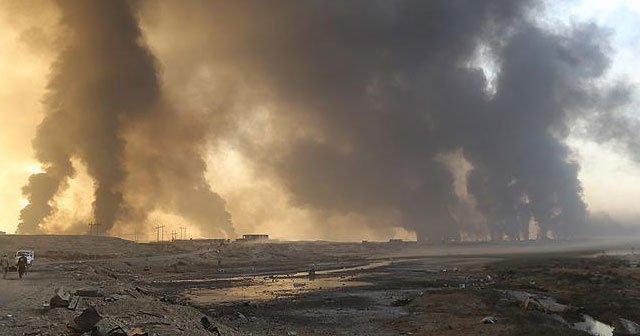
<point x="254" y="237"/>
<point x="401" y="242"/>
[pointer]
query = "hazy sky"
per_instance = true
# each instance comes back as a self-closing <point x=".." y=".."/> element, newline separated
<point x="611" y="180"/>
<point x="29" y="38"/>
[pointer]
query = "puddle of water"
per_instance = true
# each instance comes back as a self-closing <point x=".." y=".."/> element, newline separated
<point x="594" y="327"/>
<point x="369" y="266"/>
<point x="589" y="325"/>
<point x="349" y="269"/>
<point x="261" y="290"/>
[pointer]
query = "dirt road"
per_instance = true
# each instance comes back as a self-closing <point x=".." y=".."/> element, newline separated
<point x="16" y="292"/>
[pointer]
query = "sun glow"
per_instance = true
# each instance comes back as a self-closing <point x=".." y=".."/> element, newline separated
<point x="34" y="168"/>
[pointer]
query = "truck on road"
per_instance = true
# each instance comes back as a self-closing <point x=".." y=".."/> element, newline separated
<point x="29" y="254"/>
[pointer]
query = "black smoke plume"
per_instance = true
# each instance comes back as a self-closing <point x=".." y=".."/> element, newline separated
<point x="365" y="98"/>
<point x="375" y="91"/>
<point x="102" y="97"/>
<point x="368" y="94"/>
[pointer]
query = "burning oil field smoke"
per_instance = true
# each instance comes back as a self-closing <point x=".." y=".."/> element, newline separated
<point x="377" y="92"/>
<point x="104" y="107"/>
<point x="365" y="99"/>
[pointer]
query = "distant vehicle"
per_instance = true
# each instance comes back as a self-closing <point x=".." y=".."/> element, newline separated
<point x="29" y="254"/>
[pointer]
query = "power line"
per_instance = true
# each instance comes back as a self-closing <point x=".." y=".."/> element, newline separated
<point x="160" y="231"/>
<point x="94" y="229"/>
<point x="134" y="234"/>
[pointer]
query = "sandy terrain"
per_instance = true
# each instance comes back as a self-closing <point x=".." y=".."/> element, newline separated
<point x="358" y="289"/>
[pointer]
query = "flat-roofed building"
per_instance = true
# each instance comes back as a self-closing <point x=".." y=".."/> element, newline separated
<point x="254" y="237"/>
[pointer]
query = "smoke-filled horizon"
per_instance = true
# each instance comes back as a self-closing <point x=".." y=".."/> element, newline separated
<point x="448" y="119"/>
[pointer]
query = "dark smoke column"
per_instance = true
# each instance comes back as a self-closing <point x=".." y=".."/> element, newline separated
<point x="104" y="85"/>
<point x="101" y="80"/>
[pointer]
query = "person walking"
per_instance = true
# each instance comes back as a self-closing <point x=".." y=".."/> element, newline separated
<point x="22" y="266"/>
<point x="4" y="263"/>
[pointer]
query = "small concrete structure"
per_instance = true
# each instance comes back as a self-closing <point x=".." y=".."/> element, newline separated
<point x="253" y="237"/>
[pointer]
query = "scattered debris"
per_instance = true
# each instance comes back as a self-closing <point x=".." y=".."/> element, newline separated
<point x="111" y="327"/>
<point x="593" y="327"/>
<point x="60" y="299"/>
<point x="89" y="292"/>
<point x="150" y="314"/>
<point x="241" y="317"/>
<point x="140" y="290"/>
<point x="625" y="327"/>
<point x="401" y="302"/>
<point x="85" y="321"/>
<point x="210" y="327"/>
<point x="74" y="302"/>
<point x="115" y="297"/>
<point x="541" y="303"/>
<point x="137" y="332"/>
<point x="489" y="320"/>
<point x="133" y="294"/>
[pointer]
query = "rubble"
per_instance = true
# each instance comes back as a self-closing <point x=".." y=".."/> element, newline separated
<point x="210" y="327"/>
<point x="489" y="320"/>
<point x="413" y="296"/>
<point x="110" y="327"/>
<point x="541" y="303"/>
<point x="74" y="302"/>
<point x="60" y="299"/>
<point x="624" y="327"/>
<point x="89" y="292"/>
<point x="401" y="302"/>
<point x="85" y="321"/>
<point x="241" y="317"/>
<point x="593" y="327"/>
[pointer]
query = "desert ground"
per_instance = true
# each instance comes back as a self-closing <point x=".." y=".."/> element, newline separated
<point x="90" y="285"/>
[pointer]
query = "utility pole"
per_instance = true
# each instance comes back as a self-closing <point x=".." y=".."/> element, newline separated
<point x="159" y="231"/>
<point x="183" y="232"/>
<point x="173" y="235"/>
<point x="94" y="229"/>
